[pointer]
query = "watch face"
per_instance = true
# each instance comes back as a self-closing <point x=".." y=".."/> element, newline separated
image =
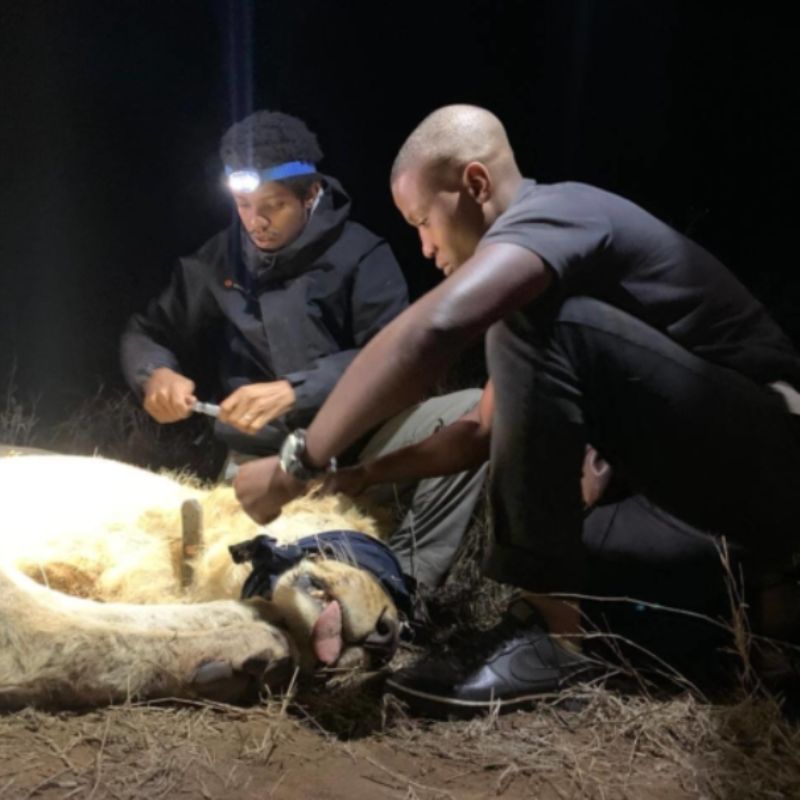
<point x="287" y="447"/>
<point x="290" y="455"/>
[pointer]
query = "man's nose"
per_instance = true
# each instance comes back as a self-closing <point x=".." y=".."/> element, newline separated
<point x="428" y="248"/>
<point x="254" y="219"/>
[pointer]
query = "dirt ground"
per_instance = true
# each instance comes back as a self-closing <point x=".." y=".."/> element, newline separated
<point x="353" y="745"/>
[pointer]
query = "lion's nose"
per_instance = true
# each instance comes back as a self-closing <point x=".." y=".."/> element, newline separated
<point x="382" y="642"/>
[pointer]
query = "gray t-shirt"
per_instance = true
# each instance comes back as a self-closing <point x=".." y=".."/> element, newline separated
<point x="603" y="246"/>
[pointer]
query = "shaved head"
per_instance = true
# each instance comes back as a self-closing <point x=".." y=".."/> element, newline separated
<point x="452" y="137"/>
<point x="452" y="179"/>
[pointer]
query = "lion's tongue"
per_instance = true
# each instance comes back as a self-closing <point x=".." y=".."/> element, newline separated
<point x="326" y="636"/>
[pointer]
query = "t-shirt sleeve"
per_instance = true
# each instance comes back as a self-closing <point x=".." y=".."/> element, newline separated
<point x="570" y="237"/>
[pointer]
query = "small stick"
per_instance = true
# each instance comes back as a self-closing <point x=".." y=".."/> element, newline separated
<point x="191" y="538"/>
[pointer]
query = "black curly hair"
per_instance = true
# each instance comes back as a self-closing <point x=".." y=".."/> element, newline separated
<point x="267" y="138"/>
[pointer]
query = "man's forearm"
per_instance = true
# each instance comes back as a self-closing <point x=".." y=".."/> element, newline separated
<point x="393" y="371"/>
<point x="457" y="447"/>
<point x="141" y="355"/>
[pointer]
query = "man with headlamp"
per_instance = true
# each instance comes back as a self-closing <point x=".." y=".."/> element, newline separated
<point x="280" y="303"/>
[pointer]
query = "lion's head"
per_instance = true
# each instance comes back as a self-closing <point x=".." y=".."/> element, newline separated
<point x="336" y="614"/>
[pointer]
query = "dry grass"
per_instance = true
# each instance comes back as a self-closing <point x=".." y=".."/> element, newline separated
<point x="114" y="425"/>
<point x="136" y="751"/>
<point x="616" y="745"/>
<point x="612" y="746"/>
<point x="17" y="421"/>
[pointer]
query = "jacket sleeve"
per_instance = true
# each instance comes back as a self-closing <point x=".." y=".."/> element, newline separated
<point x="164" y="332"/>
<point x="378" y="295"/>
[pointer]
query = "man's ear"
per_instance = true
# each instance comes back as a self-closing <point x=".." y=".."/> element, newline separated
<point x="477" y="181"/>
<point x="312" y="193"/>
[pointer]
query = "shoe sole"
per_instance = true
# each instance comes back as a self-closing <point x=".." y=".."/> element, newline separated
<point x="438" y="706"/>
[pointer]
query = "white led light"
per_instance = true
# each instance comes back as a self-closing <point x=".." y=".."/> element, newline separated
<point x="243" y="180"/>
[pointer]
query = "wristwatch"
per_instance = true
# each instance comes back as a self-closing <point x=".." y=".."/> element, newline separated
<point x="293" y="458"/>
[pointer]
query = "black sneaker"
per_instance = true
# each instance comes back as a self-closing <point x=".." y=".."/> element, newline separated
<point x="511" y="666"/>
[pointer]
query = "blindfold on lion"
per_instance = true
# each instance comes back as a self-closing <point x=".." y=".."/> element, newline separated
<point x="117" y="583"/>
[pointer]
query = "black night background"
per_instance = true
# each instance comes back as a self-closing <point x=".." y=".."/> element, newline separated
<point x="111" y="114"/>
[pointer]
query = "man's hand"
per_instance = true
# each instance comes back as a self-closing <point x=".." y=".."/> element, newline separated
<point x="351" y="481"/>
<point x="251" y="407"/>
<point x="168" y="395"/>
<point x="595" y="477"/>
<point x="263" y="488"/>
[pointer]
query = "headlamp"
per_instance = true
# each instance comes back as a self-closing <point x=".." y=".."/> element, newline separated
<point x="248" y="180"/>
<point x="243" y="180"/>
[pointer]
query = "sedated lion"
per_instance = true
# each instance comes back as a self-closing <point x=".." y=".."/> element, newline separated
<point x="102" y="600"/>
